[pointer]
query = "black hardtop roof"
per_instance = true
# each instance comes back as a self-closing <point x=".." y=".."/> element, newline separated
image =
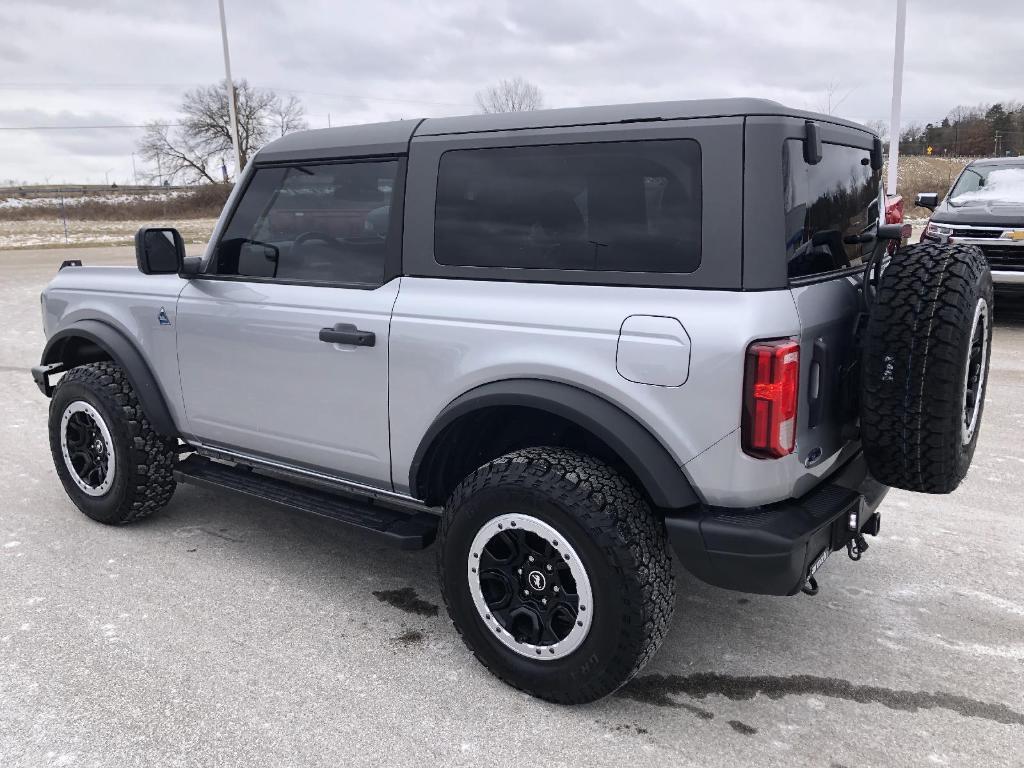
<point x="345" y="141"/>
<point x="393" y="138"/>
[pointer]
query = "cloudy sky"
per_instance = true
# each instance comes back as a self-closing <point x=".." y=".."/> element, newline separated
<point x="123" y="62"/>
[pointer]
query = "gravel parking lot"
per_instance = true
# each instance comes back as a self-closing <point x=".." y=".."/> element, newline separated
<point x="222" y="632"/>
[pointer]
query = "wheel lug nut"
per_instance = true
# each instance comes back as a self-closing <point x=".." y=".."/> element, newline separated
<point x="520" y="571"/>
<point x="543" y="601"/>
<point x="555" y="588"/>
<point x="531" y="558"/>
<point x="526" y="593"/>
<point x="549" y="567"/>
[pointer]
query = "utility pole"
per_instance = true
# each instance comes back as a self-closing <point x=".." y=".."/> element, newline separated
<point x="897" y="95"/>
<point x="63" y="213"/>
<point x="232" y="112"/>
<point x="135" y="175"/>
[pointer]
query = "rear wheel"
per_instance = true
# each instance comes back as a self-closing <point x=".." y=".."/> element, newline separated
<point x="112" y="463"/>
<point x="925" y="366"/>
<point x="556" y="573"/>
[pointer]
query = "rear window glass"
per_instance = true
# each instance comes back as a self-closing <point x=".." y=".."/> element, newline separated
<point x="826" y="204"/>
<point x="620" y="206"/>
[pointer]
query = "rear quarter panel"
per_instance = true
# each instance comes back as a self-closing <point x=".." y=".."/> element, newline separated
<point x="450" y="336"/>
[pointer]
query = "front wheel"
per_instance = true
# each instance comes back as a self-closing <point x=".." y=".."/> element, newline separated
<point x="112" y="463"/>
<point x="556" y="573"/>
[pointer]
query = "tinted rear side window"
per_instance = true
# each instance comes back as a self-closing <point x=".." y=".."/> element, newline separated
<point x="618" y="206"/>
<point x="826" y="203"/>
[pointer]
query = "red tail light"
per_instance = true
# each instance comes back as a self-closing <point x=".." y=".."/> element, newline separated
<point x="770" y="386"/>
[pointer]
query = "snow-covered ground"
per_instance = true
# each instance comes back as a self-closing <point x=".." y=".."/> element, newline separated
<point x="74" y="199"/>
<point x="41" y="233"/>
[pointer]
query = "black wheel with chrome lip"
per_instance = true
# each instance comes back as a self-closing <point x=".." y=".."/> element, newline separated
<point x="113" y="465"/>
<point x="530" y="585"/>
<point x="556" y="573"/>
<point x="87" y="448"/>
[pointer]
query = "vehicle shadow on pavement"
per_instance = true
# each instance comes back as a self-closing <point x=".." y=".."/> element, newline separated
<point x="724" y="649"/>
<point x="725" y="643"/>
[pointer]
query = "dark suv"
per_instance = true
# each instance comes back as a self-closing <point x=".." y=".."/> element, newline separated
<point x="985" y="207"/>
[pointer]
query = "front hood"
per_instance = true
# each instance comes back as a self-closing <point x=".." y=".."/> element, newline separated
<point x="981" y="212"/>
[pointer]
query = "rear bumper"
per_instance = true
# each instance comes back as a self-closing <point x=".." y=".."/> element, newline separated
<point x="770" y="550"/>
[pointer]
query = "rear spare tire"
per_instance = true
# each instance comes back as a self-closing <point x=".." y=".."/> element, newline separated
<point x="925" y="366"/>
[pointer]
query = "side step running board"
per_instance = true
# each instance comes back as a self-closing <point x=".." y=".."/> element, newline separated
<point x="404" y="530"/>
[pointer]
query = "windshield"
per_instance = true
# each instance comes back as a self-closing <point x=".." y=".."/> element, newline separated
<point x="989" y="183"/>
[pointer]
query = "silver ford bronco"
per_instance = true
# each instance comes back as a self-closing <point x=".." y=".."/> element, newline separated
<point x="567" y="344"/>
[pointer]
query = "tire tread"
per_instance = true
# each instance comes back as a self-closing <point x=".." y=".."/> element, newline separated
<point x="620" y="521"/>
<point x="913" y="364"/>
<point x="152" y="456"/>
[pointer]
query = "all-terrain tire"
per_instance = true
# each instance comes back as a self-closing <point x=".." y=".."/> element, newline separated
<point x="925" y="365"/>
<point x="142" y="478"/>
<point x="619" y="541"/>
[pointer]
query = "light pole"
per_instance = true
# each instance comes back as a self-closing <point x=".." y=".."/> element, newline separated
<point x="232" y="113"/>
<point x="897" y="96"/>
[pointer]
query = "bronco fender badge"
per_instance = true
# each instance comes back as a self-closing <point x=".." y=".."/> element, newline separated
<point x="162" y="317"/>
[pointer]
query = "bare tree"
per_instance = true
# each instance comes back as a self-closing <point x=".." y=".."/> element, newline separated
<point x="912" y="133"/>
<point x="288" y="115"/>
<point x="833" y="100"/>
<point x="204" y="134"/>
<point x="881" y="127"/>
<point x="176" y="156"/>
<point x="515" y="95"/>
<point x="963" y="113"/>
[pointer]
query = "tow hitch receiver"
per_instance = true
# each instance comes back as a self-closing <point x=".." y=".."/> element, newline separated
<point x="856" y="545"/>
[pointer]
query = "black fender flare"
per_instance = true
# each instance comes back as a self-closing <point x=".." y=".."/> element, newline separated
<point x="105" y="341"/>
<point x="659" y="474"/>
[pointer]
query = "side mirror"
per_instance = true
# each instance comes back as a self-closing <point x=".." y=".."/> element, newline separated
<point x="929" y="200"/>
<point x="159" y="250"/>
<point x="191" y="266"/>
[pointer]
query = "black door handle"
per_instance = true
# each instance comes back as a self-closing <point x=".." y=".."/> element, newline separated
<point x="346" y="333"/>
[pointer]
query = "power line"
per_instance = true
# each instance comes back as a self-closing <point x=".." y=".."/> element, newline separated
<point x="146" y="86"/>
<point x="371" y="98"/>
<point x="91" y="86"/>
<point x="134" y="126"/>
<point x="75" y="127"/>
